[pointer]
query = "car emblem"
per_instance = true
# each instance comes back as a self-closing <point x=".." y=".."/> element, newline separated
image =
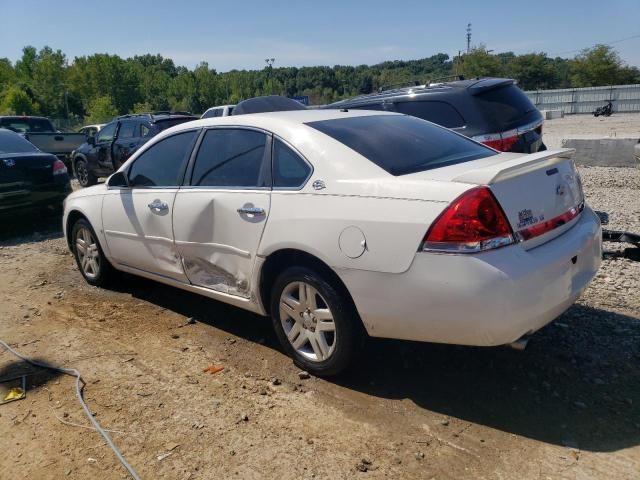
<point x="319" y="185"/>
<point x="560" y="189"/>
<point x="9" y="162"/>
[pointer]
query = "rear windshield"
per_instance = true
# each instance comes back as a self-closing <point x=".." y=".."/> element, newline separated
<point x="26" y="125"/>
<point x="14" y="143"/>
<point x="401" y="144"/>
<point x="505" y="105"/>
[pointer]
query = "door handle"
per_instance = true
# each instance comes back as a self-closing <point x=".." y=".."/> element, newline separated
<point x="158" y="205"/>
<point x="251" y="210"/>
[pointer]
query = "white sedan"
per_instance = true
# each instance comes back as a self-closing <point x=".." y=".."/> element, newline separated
<point x="339" y="224"/>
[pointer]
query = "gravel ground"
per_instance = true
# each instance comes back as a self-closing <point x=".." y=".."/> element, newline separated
<point x="568" y="407"/>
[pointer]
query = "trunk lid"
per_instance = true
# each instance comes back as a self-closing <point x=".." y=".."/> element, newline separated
<point x="541" y="193"/>
<point x="22" y="174"/>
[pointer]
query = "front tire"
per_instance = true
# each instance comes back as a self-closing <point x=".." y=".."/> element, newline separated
<point x="85" y="177"/>
<point x="92" y="263"/>
<point x="315" y="323"/>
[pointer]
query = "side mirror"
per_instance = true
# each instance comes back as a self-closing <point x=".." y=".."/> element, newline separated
<point x="91" y="141"/>
<point x="118" y="179"/>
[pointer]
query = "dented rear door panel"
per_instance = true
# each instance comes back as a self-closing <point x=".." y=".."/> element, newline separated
<point x="217" y="236"/>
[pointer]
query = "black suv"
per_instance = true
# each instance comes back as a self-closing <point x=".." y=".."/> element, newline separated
<point x="493" y="111"/>
<point x="116" y="141"/>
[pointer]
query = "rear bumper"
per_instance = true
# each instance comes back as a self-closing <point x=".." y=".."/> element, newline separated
<point x="50" y="196"/>
<point x="485" y="299"/>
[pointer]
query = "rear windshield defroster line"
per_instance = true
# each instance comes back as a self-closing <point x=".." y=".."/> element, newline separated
<point x="401" y="144"/>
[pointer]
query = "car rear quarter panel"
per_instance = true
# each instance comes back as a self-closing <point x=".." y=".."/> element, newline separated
<point x="392" y="228"/>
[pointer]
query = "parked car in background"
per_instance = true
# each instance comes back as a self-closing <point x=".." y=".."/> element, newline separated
<point x="220" y="111"/>
<point x="41" y="132"/>
<point x="29" y="179"/>
<point x="335" y="223"/>
<point x="91" y="130"/>
<point x="114" y="143"/>
<point x="493" y="111"/>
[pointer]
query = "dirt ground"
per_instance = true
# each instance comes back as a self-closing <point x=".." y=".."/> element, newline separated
<point x="566" y="408"/>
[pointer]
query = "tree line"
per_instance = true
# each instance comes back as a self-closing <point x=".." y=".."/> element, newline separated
<point x="98" y="87"/>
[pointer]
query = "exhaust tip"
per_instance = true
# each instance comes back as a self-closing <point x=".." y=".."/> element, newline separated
<point x="519" y="344"/>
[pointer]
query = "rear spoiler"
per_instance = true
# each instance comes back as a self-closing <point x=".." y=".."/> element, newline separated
<point x="486" y="84"/>
<point x="515" y="166"/>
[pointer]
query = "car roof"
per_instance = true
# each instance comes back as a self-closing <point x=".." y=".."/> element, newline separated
<point x="275" y="121"/>
<point x="470" y="86"/>
<point x="24" y="117"/>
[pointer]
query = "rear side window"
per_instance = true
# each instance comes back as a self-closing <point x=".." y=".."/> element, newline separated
<point x="161" y="164"/>
<point x="401" y="144"/>
<point x="289" y="169"/>
<point x="504" y="105"/>
<point x="27" y="125"/>
<point x="231" y="158"/>
<point x="437" y="112"/>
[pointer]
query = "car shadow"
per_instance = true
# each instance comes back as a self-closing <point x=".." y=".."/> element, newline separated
<point x="30" y="227"/>
<point x="577" y="384"/>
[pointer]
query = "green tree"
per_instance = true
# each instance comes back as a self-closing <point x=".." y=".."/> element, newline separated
<point x="599" y="66"/>
<point x="532" y="71"/>
<point x="17" y="102"/>
<point x="7" y="73"/>
<point x="49" y="72"/>
<point x="101" y="109"/>
<point x="480" y="63"/>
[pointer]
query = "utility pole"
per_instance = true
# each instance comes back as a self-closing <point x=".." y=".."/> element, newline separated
<point x="468" y="37"/>
<point x="269" y="62"/>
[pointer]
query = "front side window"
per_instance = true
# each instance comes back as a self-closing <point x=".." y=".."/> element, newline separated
<point x="231" y="158"/>
<point x="289" y="170"/>
<point x="106" y="133"/>
<point x="127" y="130"/>
<point x="401" y="144"/>
<point x="162" y="163"/>
<point x="144" y="130"/>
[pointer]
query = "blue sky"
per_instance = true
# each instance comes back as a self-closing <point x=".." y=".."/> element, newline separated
<point x="242" y="33"/>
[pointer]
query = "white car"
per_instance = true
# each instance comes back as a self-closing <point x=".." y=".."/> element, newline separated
<point x="220" y="111"/>
<point x="336" y="223"/>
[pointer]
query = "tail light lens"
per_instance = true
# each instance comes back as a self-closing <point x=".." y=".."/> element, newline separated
<point x="474" y="222"/>
<point x="503" y="142"/>
<point x="59" y="168"/>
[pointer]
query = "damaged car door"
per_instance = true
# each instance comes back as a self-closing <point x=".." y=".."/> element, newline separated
<point x="137" y="218"/>
<point x="220" y="212"/>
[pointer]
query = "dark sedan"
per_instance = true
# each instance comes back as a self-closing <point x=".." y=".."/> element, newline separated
<point x="29" y="179"/>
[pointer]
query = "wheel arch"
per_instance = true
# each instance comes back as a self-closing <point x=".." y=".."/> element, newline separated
<point x="74" y="160"/>
<point x="73" y="216"/>
<point x="277" y="261"/>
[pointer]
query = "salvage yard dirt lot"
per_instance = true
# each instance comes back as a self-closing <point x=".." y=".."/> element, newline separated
<point x="567" y="407"/>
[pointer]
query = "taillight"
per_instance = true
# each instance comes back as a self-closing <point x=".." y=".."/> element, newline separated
<point x="474" y="222"/>
<point x="503" y="142"/>
<point x="59" y="168"/>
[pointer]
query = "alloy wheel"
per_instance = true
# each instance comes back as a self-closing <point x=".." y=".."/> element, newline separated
<point x="82" y="173"/>
<point x="307" y="321"/>
<point x="88" y="253"/>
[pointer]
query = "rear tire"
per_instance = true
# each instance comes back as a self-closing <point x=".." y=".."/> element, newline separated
<point x="85" y="177"/>
<point x="315" y="324"/>
<point x="92" y="263"/>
